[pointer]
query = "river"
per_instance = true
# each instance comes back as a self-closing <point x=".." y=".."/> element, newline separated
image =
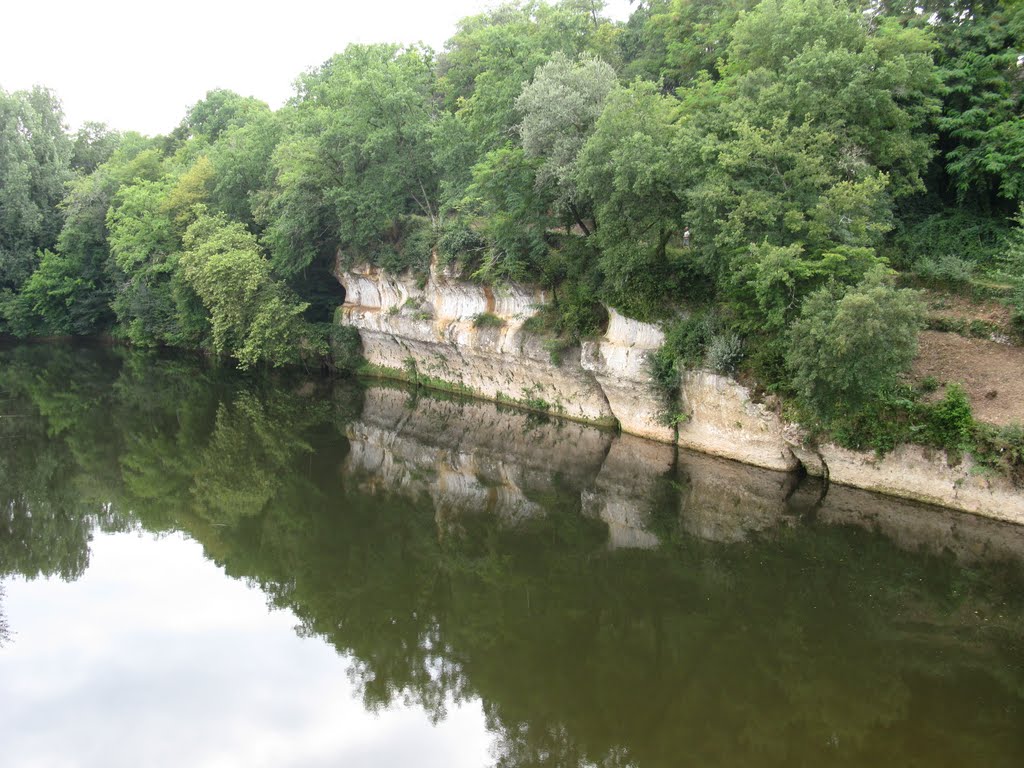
<point x="210" y="568"/>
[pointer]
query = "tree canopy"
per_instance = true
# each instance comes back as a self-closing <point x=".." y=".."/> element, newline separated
<point x="734" y="156"/>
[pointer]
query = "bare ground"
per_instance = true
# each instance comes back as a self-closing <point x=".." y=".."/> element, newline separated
<point x="964" y="307"/>
<point x="992" y="374"/>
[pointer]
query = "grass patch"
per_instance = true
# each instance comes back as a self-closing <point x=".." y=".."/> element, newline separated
<point x="487" y="320"/>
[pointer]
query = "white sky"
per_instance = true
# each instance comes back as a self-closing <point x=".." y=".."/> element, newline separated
<point x="138" y="65"/>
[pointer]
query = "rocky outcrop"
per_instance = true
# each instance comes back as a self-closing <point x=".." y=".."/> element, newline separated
<point x="926" y="475"/>
<point x="471" y="338"/>
<point x="722" y="419"/>
<point x="620" y="362"/>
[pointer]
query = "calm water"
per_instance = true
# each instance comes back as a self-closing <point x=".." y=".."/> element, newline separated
<point x="205" y="568"/>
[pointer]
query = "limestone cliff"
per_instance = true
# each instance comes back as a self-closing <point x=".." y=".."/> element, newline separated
<point x="433" y="330"/>
<point x="471" y="338"/>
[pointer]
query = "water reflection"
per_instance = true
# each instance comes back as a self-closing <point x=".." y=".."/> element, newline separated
<point x="610" y="601"/>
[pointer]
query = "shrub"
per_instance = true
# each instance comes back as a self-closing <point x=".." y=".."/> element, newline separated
<point x="951" y="241"/>
<point x="1001" y="449"/>
<point x="950" y="423"/>
<point x="724" y="353"/>
<point x="849" y="346"/>
<point x="945" y="269"/>
<point x="1018" y="309"/>
<point x="882" y="424"/>
<point x="458" y="243"/>
<point x="686" y="340"/>
<point x="487" y="320"/>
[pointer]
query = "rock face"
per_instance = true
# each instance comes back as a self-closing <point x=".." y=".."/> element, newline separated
<point x="468" y="337"/>
<point x="924" y="474"/>
<point x="471" y="338"/>
<point x="723" y="420"/>
<point x="620" y="362"/>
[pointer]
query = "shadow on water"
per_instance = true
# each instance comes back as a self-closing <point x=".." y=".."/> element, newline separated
<point x="611" y="601"/>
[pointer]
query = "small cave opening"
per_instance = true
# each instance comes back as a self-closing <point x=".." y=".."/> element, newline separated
<point x="318" y="285"/>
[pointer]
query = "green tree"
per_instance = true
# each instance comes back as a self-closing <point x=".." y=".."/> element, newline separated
<point x="560" y="108"/>
<point x="848" y="347"/>
<point x="253" y="317"/>
<point x="243" y="169"/>
<point x="818" y="123"/>
<point x="94" y="143"/>
<point x="514" y="214"/>
<point x="81" y="272"/>
<point x="630" y="168"/>
<point x="676" y="42"/>
<point x="491" y="56"/>
<point x="981" y="125"/>
<point x="35" y="163"/>
<point x="357" y="159"/>
<point x="219" y="111"/>
<point x="146" y="221"/>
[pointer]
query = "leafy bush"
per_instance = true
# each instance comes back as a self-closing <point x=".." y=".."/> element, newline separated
<point x="487" y="320"/>
<point x="950" y="423"/>
<point x="724" y="353"/>
<point x="412" y="250"/>
<point x="686" y="340"/>
<point x="945" y="269"/>
<point x="1017" y="302"/>
<point x="457" y="242"/>
<point x="1001" y="449"/>
<point x="880" y="425"/>
<point x="950" y="242"/>
<point x="1012" y="267"/>
<point x="848" y="347"/>
<point x="974" y="329"/>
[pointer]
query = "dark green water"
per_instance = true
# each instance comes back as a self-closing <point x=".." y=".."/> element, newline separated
<point x="206" y="568"/>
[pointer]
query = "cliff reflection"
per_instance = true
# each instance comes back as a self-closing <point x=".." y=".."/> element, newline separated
<point x="611" y="601"/>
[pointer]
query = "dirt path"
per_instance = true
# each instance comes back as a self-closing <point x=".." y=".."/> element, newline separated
<point x="992" y="374"/>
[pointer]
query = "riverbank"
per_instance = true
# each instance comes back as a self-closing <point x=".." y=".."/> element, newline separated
<point x="430" y="332"/>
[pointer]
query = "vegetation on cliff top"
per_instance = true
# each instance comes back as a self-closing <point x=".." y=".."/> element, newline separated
<point x="782" y="164"/>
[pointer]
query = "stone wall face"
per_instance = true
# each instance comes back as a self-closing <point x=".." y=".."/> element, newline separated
<point x="721" y="415"/>
<point x="924" y="474"/>
<point x="432" y="331"/>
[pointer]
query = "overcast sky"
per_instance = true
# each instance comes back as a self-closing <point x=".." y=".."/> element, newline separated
<point x="138" y="65"/>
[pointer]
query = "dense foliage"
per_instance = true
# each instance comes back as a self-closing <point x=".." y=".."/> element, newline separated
<point x="763" y="159"/>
